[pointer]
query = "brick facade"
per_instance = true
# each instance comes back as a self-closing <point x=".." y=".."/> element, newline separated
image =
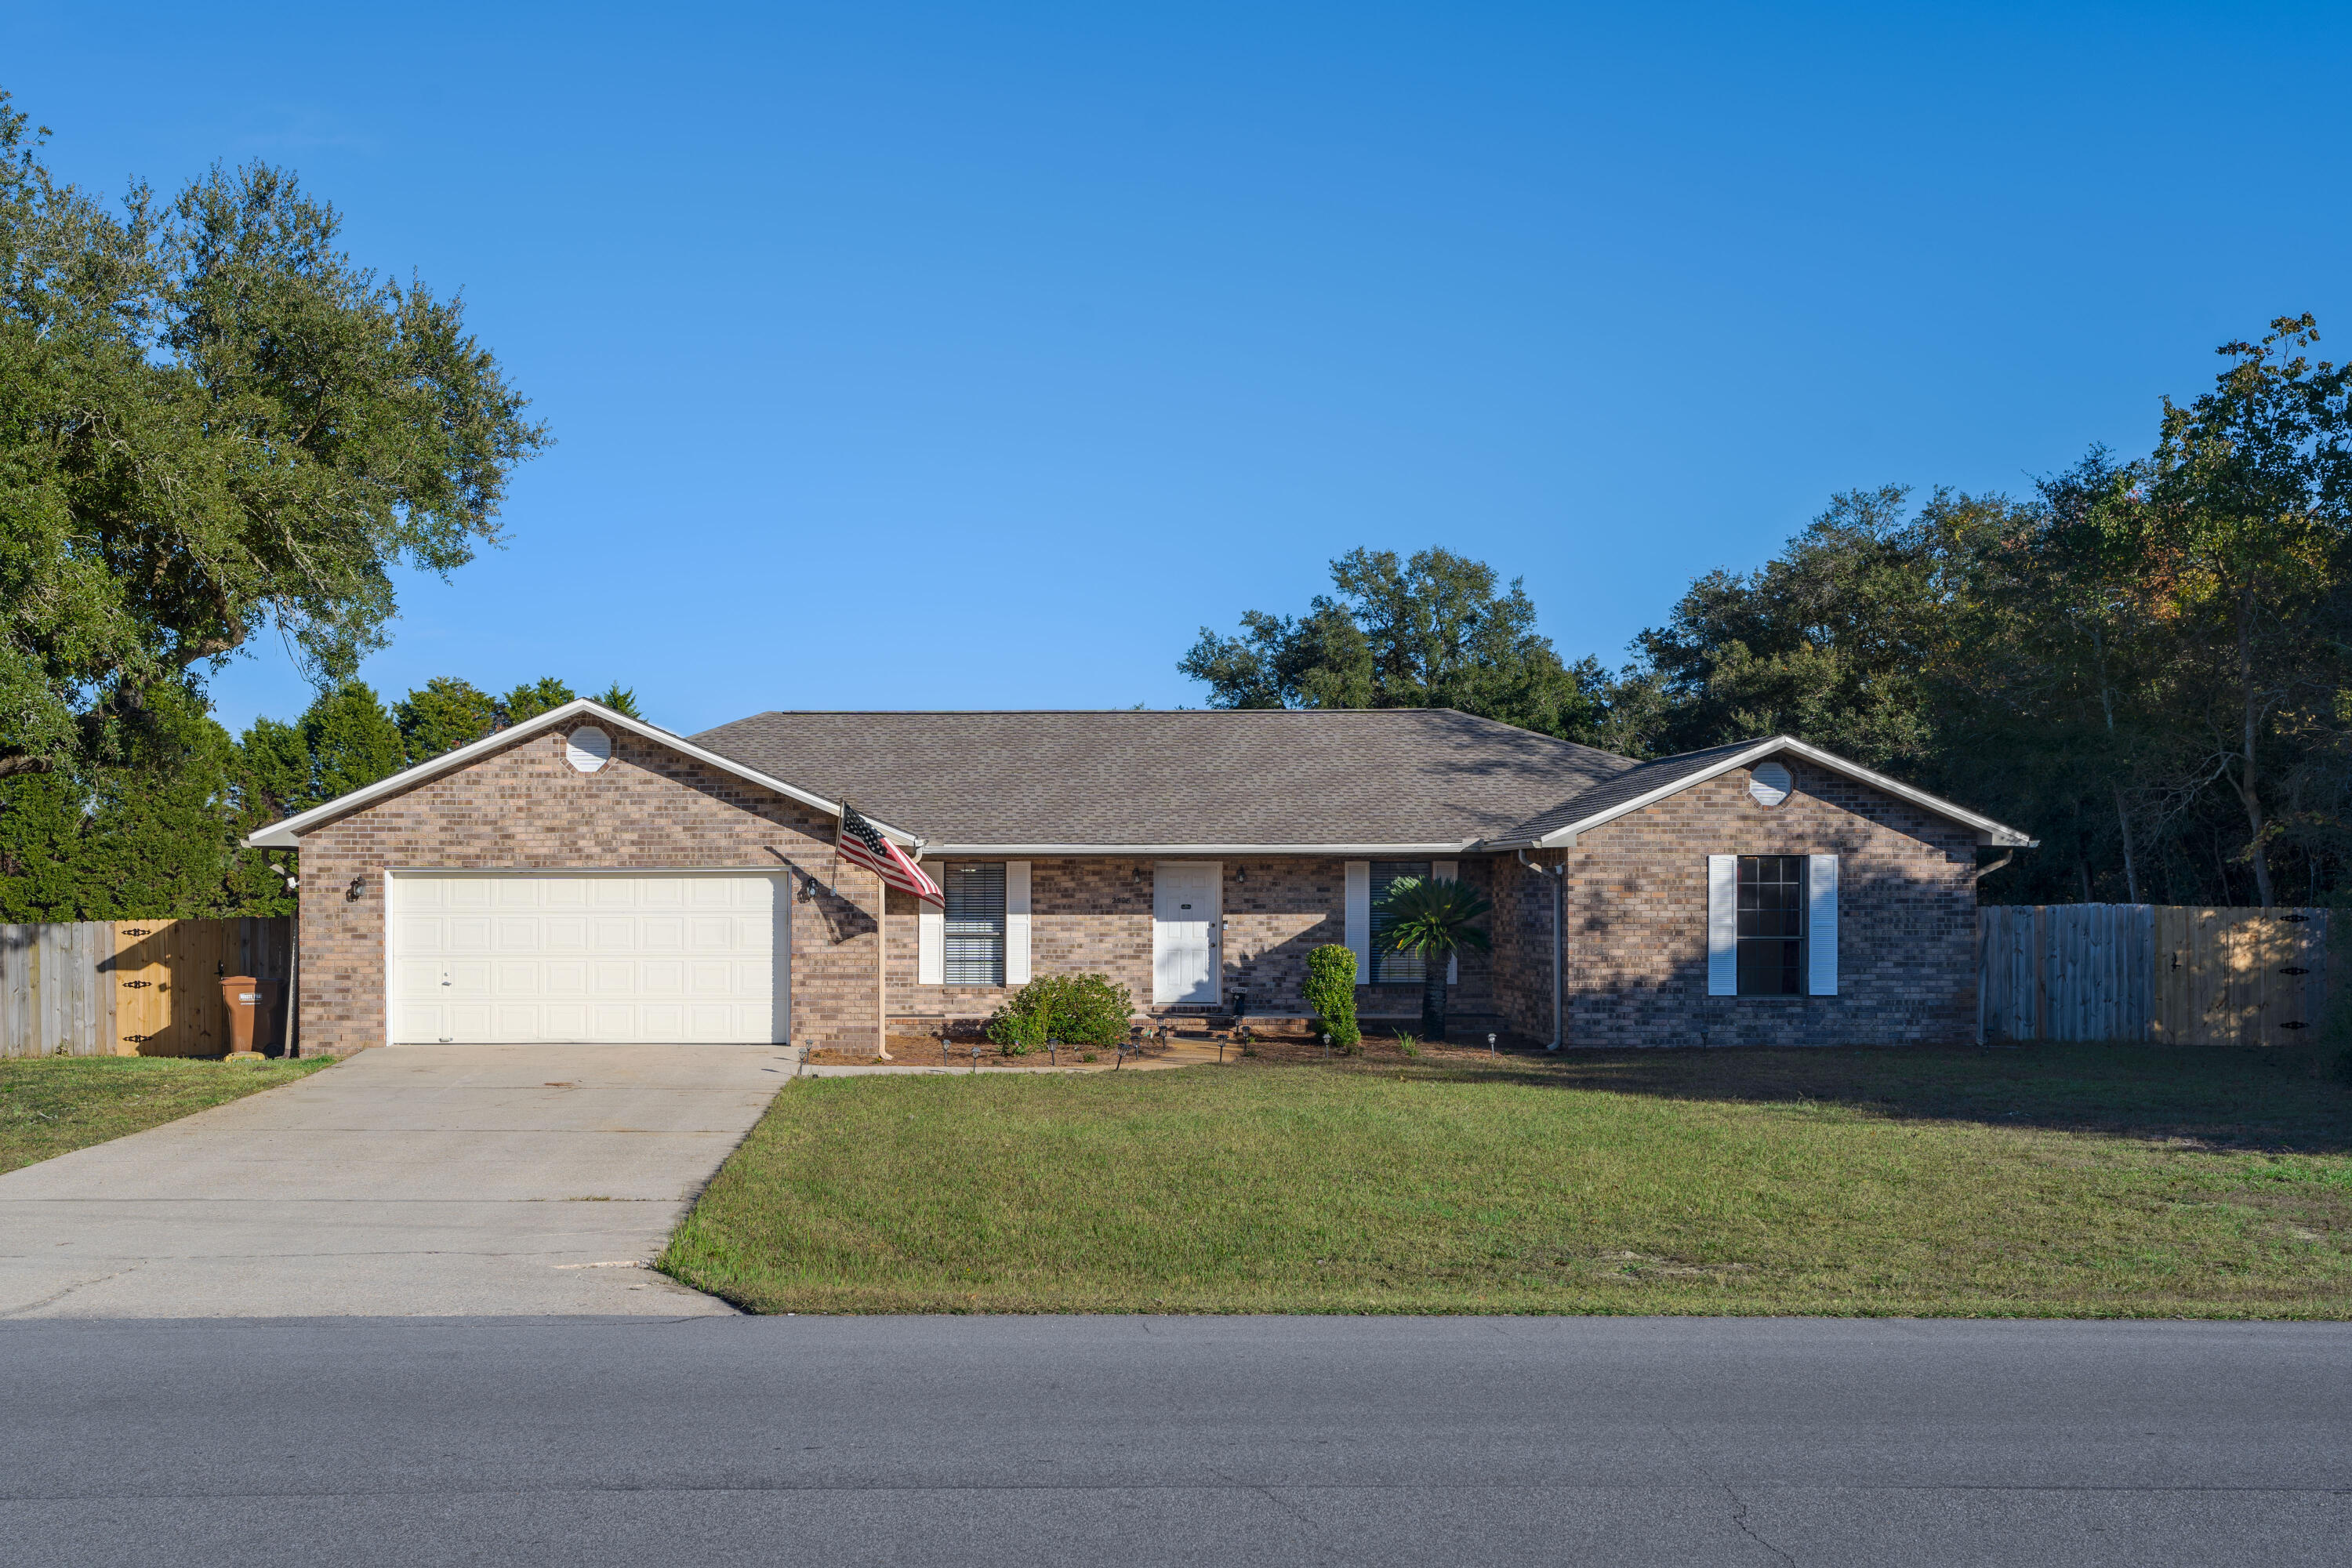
<point x="1094" y="915"/>
<point x="1635" y="898"/>
<point x="524" y="808"/>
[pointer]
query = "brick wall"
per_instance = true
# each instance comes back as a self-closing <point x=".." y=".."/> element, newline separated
<point x="1636" y="905"/>
<point x="1094" y="915"/>
<point x="524" y="807"/>
<point x="1522" y="928"/>
<point x="1907" y="920"/>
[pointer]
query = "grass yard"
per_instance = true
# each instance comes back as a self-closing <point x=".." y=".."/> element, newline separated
<point x="50" y="1105"/>
<point x="2038" y="1180"/>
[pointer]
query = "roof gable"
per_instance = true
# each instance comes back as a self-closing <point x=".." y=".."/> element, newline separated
<point x="287" y="834"/>
<point x="1655" y="781"/>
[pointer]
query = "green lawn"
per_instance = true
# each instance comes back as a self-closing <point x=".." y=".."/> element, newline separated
<point x="49" y="1105"/>
<point x="2045" y="1180"/>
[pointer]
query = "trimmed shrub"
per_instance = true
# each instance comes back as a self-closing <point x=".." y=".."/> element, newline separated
<point x="1073" y="1009"/>
<point x="1331" y="991"/>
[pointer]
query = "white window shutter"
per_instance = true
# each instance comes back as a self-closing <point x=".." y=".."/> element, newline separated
<point x="932" y="936"/>
<point x="1017" y="923"/>
<point x="1723" y="925"/>
<point x="1448" y="871"/>
<point x="1360" y="917"/>
<point x="1821" y="925"/>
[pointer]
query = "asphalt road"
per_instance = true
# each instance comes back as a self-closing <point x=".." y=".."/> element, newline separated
<point x="720" y="1441"/>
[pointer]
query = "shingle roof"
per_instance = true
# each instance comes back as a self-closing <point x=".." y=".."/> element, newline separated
<point x="1398" y="776"/>
<point x="1634" y="781"/>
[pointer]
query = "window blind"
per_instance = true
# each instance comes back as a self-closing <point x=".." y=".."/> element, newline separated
<point x="1393" y="967"/>
<point x="974" y="927"/>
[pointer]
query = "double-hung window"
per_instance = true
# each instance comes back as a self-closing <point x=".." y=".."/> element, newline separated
<point x="1393" y="966"/>
<point x="974" y="934"/>
<point x="1772" y="930"/>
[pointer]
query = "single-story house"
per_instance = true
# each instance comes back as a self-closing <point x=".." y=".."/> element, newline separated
<point x="587" y="877"/>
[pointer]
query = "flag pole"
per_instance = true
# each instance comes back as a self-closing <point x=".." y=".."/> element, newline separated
<point x="881" y="967"/>
<point x="881" y="941"/>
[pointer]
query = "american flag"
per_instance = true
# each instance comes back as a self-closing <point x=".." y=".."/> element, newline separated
<point x="863" y="842"/>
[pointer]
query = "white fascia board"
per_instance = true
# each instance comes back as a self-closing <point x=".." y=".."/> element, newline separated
<point x="1020" y="851"/>
<point x="1988" y="831"/>
<point x="286" y="834"/>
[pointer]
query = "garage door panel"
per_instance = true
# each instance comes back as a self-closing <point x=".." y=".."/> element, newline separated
<point x="621" y="957"/>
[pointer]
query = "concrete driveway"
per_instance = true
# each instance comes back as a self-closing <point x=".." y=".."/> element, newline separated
<point x="420" y="1181"/>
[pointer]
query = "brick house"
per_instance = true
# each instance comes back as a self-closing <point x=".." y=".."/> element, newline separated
<point x="584" y="875"/>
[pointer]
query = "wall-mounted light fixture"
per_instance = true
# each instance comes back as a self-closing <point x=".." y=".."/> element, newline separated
<point x="358" y="889"/>
<point x="1240" y="873"/>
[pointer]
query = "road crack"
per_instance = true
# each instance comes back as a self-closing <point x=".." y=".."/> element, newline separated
<point x="1739" y="1518"/>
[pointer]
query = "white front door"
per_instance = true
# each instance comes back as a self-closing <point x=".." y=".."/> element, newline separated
<point x="617" y="957"/>
<point x="1185" y="898"/>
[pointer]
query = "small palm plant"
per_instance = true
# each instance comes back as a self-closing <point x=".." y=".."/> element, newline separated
<point x="1435" y="920"/>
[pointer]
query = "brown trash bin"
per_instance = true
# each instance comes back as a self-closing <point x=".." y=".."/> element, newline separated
<point x="251" y="1003"/>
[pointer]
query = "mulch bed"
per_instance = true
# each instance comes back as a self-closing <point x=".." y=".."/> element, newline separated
<point x="1280" y="1041"/>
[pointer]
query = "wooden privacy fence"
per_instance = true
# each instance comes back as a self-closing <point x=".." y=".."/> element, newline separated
<point x="2149" y="971"/>
<point x="95" y="988"/>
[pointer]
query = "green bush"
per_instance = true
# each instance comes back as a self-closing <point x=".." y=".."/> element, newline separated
<point x="1073" y="1009"/>
<point x="1331" y="991"/>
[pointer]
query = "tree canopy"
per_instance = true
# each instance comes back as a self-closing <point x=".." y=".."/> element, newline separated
<point x="213" y="423"/>
<point x="2146" y="662"/>
<point x="158" y="831"/>
<point x="1430" y="632"/>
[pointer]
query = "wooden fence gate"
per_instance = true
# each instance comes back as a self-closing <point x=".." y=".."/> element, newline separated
<point x="2148" y="972"/>
<point x="135" y="987"/>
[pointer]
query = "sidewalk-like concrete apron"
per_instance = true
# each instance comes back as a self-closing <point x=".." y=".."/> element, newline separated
<point x="412" y="1181"/>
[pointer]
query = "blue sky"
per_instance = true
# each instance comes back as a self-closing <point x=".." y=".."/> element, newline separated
<point x="978" y="355"/>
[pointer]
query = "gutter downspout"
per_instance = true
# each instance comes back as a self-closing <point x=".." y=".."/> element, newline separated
<point x="1558" y="876"/>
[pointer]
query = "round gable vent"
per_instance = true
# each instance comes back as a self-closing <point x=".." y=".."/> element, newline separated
<point x="1768" y="783"/>
<point x="588" y="748"/>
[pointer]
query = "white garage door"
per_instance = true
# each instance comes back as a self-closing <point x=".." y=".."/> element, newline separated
<point x="619" y="957"/>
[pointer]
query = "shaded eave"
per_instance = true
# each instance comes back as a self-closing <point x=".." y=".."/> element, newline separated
<point x="1988" y="831"/>
<point x="1025" y="851"/>
<point x="286" y="834"/>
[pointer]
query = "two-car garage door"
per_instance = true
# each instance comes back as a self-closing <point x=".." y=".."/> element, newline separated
<point x="590" y="956"/>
